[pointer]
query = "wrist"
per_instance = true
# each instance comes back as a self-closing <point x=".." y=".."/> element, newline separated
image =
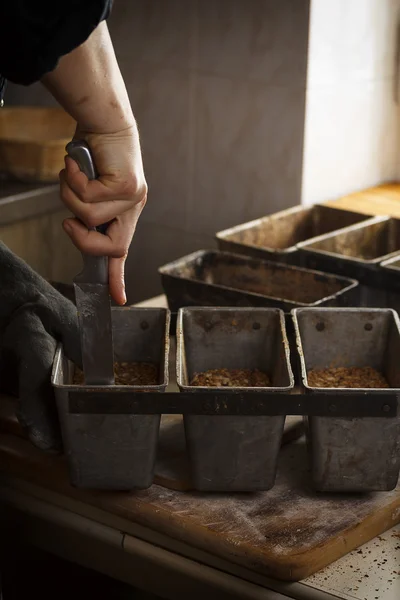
<point x="99" y="120"/>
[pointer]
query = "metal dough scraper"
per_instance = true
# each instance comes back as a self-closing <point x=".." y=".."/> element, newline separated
<point x="92" y="296"/>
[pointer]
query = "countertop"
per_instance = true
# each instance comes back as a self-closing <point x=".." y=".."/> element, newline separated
<point x="379" y="200"/>
<point x="19" y="201"/>
<point x="371" y="572"/>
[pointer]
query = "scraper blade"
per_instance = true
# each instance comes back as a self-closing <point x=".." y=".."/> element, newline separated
<point x="93" y="298"/>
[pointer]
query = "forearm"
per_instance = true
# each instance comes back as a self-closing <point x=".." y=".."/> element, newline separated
<point x="88" y="84"/>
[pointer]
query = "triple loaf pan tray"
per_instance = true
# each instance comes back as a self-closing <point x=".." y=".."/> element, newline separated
<point x="275" y="237"/>
<point x="214" y="278"/>
<point x="233" y="434"/>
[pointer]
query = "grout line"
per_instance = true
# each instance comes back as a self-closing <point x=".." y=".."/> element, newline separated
<point x="192" y="113"/>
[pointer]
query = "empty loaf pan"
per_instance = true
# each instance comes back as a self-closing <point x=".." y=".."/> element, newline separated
<point x="352" y="454"/>
<point x="275" y="237"/>
<point x="233" y="453"/>
<point x="357" y="252"/>
<point x="212" y="278"/>
<point x="105" y="448"/>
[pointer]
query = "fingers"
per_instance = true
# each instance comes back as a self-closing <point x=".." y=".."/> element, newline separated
<point x="92" y="214"/>
<point x="114" y="244"/>
<point x="107" y="187"/>
<point x="93" y="242"/>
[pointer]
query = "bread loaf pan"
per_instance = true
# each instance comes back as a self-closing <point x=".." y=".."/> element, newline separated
<point x="275" y="237"/>
<point x="107" y="450"/>
<point x="352" y="454"/>
<point x="356" y="252"/>
<point x="213" y="278"/>
<point x="233" y="453"/>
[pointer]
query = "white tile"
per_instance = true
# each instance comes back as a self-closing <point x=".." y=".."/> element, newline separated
<point x="352" y="40"/>
<point x="351" y="139"/>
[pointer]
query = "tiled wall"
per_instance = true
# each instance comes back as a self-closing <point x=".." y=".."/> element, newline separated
<point x="218" y="89"/>
<point x="352" y="137"/>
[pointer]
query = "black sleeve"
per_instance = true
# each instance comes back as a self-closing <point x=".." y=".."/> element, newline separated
<point x="34" y="34"/>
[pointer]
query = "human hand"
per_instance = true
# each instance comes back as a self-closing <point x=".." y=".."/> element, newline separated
<point x="118" y="195"/>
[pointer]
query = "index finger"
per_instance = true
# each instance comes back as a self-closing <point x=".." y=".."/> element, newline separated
<point x="91" y="241"/>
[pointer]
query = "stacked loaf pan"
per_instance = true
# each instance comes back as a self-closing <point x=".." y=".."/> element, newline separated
<point x="328" y="240"/>
<point x="254" y="308"/>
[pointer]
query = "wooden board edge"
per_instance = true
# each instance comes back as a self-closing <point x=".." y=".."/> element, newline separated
<point x="297" y="567"/>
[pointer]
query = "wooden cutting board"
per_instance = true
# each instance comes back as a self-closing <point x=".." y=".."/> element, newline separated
<point x="288" y="533"/>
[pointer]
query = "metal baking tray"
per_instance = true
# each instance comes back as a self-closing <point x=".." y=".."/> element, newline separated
<point x="106" y="449"/>
<point x="351" y="454"/>
<point x="275" y="237"/>
<point x="110" y="432"/>
<point x="233" y="453"/>
<point x="356" y="252"/>
<point x="213" y="278"/>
